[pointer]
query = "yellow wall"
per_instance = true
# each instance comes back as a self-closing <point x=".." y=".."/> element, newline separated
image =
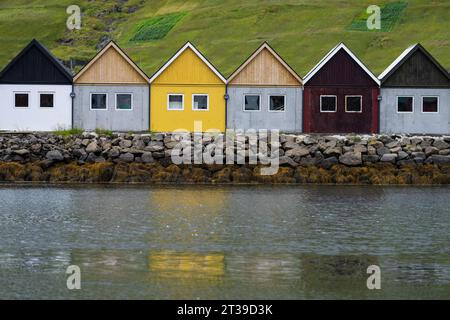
<point x="187" y="75"/>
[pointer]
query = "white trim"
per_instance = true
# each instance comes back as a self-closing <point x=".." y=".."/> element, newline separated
<point x="207" y="101"/>
<point x="178" y="53"/>
<point x="48" y="93"/>
<point x="90" y="101"/>
<point x="430" y="96"/>
<point x="132" y="101"/>
<point x="21" y="92"/>
<point x="397" y="61"/>
<point x="265" y="45"/>
<point x="404" y="96"/>
<point x="354" y="96"/>
<point x="330" y="55"/>
<point x="276" y="95"/>
<point x="255" y="95"/>
<point x="335" y="105"/>
<point x="168" y="101"/>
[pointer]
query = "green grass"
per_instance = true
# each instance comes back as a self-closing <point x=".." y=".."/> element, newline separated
<point x="104" y="132"/>
<point x="68" y="132"/>
<point x="227" y="32"/>
<point x="390" y="15"/>
<point x="157" y="27"/>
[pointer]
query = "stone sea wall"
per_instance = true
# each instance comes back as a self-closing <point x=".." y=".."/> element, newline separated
<point x="146" y="158"/>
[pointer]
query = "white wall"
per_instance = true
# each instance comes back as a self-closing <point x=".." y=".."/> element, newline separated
<point x="35" y="118"/>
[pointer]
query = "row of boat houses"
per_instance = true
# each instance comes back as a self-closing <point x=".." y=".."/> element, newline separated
<point x="339" y="95"/>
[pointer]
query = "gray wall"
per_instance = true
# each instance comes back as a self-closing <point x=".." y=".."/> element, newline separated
<point x="112" y="119"/>
<point x="288" y="121"/>
<point x="416" y="122"/>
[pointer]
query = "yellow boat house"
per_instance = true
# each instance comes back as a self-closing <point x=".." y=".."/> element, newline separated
<point x="187" y="93"/>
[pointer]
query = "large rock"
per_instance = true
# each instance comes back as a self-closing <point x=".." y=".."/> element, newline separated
<point x="351" y="159"/>
<point x="125" y="144"/>
<point x="126" y="157"/>
<point x="21" y="152"/>
<point x="440" y="144"/>
<point x="54" y="155"/>
<point x="297" y="152"/>
<point x="333" y="151"/>
<point x="383" y="150"/>
<point x="431" y="150"/>
<point x="440" y="159"/>
<point x="147" y="157"/>
<point x="92" y="147"/>
<point x="371" y="158"/>
<point x="329" y="162"/>
<point x="389" y="157"/>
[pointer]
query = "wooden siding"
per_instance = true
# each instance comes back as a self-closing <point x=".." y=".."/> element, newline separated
<point x="340" y="121"/>
<point x="35" y="66"/>
<point x="188" y="69"/>
<point x="265" y="70"/>
<point x="418" y="71"/>
<point x="111" y="68"/>
<point x="341" y="70"/>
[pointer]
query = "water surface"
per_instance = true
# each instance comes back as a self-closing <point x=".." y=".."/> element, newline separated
<point x="210" y="242"/>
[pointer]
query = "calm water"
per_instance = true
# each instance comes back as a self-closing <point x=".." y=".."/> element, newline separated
<point x="225" y="242"/>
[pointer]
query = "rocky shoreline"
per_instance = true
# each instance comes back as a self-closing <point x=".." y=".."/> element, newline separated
<point x="146" y="158"/>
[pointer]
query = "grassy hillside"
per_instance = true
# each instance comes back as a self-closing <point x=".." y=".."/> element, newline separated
<point x="227" y="31"/>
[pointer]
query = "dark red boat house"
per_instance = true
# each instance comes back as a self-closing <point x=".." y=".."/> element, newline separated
<point x="341" y="95"/>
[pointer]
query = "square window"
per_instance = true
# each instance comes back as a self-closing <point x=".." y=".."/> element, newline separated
<point x="98" y="101"/>
<point x="46" y="100"/>
<point x="21" y="100"/>
<point x="405" y="104"/>
<point x="353" y="104"/>
<point x="124" y="101"/>
<point x="277" y="103"/>
<point x="200" y="102"/>
<point x="430" y="104"/>
<point x="175" y="102"/>
<point x="328" y="103"/>
<point x="251" y="103"/>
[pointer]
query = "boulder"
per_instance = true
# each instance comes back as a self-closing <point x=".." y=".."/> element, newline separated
<point x="54" y="155"/>
<point x="297" y="152"/>
<point x="351" y="159"/>
<point x="440" y="144"/>
<point x="126" y="157"/>
<point x="389" y="157"/>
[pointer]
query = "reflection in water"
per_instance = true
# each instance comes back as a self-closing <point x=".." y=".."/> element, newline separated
<point x="186" y="265"/>
<point x="225" y="242"/>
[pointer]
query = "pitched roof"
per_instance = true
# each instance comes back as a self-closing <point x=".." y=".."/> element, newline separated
<point x="41" y="48"/>
<point x="113" y="45"/>
<point x="331" y="54"/>
<point x="402" y="58"/>
<point x="188" y="45"/>
<point x="266" y="46"/>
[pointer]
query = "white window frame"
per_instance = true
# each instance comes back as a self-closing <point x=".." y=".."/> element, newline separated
<point x="168" y="101"/>
<point x="260" y="102"/>
<point x="90" y="101"/>
<point x="132" y="101"/>
<point x="438" y="104"/>
<point x="405" y="96"/>
<point x="207" y="101"/>
<point x="21" y="92"/>
<point x="46" y="92"/>
<point x="276" y="95"/>
<point x="335" y="105"/>
<point x="354" y="96"/>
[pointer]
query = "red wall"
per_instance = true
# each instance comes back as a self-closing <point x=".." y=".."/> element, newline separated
<point x="341" y="76"/>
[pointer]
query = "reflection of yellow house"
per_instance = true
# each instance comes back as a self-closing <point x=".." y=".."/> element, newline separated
<point x="187" y="264"/>
<point x="186" y="90"/>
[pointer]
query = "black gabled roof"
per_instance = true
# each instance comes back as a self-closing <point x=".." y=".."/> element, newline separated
<point x="35" y="64"/>
<point x="404" y="58"/>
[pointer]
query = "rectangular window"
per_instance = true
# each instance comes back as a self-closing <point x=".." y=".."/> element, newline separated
<point x="277" y="103"/>
<point x="175" y="102"/>
<point x="46" y="100"/>
<point x="98" y="101"/>
<point x="252" y="103"/>
<point x="405" y="104"/>
<point x="200" y="102"/>
<point x="328" y="103"/>
<point x="124" y="101"/>
<point x="21" y="100"/>
<point x="430" y="104"/>
<point x="353" y="103"/>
